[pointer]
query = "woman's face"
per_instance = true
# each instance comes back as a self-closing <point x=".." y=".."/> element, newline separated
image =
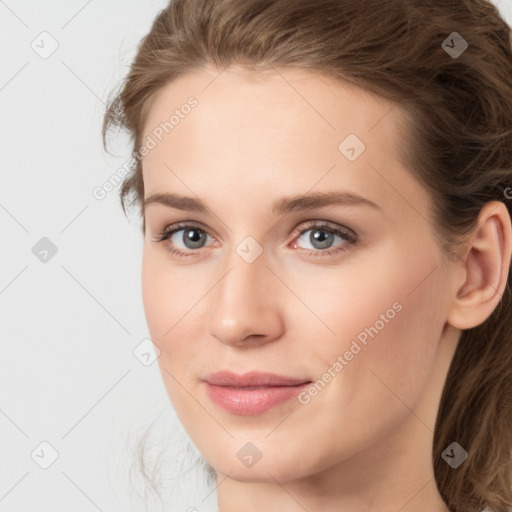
<point x="349" y="295"/>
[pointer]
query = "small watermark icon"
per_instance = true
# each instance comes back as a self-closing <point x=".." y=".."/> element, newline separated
<point x="351" y="147"/>
<point x="44" y="250"/>
<point x="454" y="45"/>
<point x="44" y="44"/>
<point x="146" y="352"/>
<point x="249" y="454"/>
<point x="249" y="249"/>
<point x="454" y="455"/>
<point x="44" y="455"/>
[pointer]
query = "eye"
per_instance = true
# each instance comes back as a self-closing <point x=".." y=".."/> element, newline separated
<point x="189" y="236"/>
<point x="322" y="236"/>
<point x="185" y="239"/>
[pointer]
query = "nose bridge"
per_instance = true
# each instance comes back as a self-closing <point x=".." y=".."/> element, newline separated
<point x="241" y="305"/>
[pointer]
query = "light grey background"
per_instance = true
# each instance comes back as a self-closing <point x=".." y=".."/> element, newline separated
<point x="68" y="375"/>
<point x="69" y="325"/>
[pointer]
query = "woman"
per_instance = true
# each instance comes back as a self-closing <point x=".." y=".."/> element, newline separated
<point x="325" y="189"/>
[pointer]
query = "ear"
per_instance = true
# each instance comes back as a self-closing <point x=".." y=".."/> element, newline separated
<point x="484" y="268"/>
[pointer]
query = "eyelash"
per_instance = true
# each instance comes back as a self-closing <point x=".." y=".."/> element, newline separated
<point x="350" y="239"/>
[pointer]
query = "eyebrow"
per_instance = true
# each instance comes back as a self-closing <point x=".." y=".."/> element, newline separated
<point x="281" y="206"/>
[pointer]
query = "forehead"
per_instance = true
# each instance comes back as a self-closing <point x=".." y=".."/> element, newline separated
<point x="286" y="127"/>
<point x="291" y="102"/>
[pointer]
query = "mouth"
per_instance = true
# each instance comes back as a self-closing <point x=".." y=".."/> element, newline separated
<point x="252" y="393"/>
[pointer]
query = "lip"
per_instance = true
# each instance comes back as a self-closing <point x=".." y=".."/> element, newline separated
<point x="251" y="393"/>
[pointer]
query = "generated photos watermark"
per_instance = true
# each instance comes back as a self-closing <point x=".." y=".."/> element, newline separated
<point x="151" y="142"/>
<point x="355" y="348"/>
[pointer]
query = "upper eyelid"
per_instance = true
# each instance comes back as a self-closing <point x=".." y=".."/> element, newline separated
<point x="308" y="224"/>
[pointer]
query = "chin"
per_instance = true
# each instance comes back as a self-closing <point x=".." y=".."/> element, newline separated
<point x="261" y="472"/>
<point x="272" y="466"/>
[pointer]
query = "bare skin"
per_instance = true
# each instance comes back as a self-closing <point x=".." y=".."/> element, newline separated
<point x="363" y="443"/>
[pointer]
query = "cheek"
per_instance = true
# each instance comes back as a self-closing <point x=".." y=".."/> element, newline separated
<point x="388" y="326"/>
<point x="154" y="296"/>
<point x="366" y="294"/>
<point x="169" y="296"/>
<point x="167" y="293"/>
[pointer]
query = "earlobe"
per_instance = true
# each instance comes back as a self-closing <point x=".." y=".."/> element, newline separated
<point x="486" y="265"/>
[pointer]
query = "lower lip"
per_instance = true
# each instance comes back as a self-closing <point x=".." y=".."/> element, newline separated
<point x="251" y="402"/>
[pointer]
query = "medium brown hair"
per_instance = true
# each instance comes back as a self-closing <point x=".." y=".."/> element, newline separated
<point x="458" y="144"/>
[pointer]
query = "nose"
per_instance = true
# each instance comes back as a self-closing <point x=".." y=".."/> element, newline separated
<point x="244" y="307"/>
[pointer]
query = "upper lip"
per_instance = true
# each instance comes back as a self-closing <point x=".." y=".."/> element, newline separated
<point x="253" y="378"/>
